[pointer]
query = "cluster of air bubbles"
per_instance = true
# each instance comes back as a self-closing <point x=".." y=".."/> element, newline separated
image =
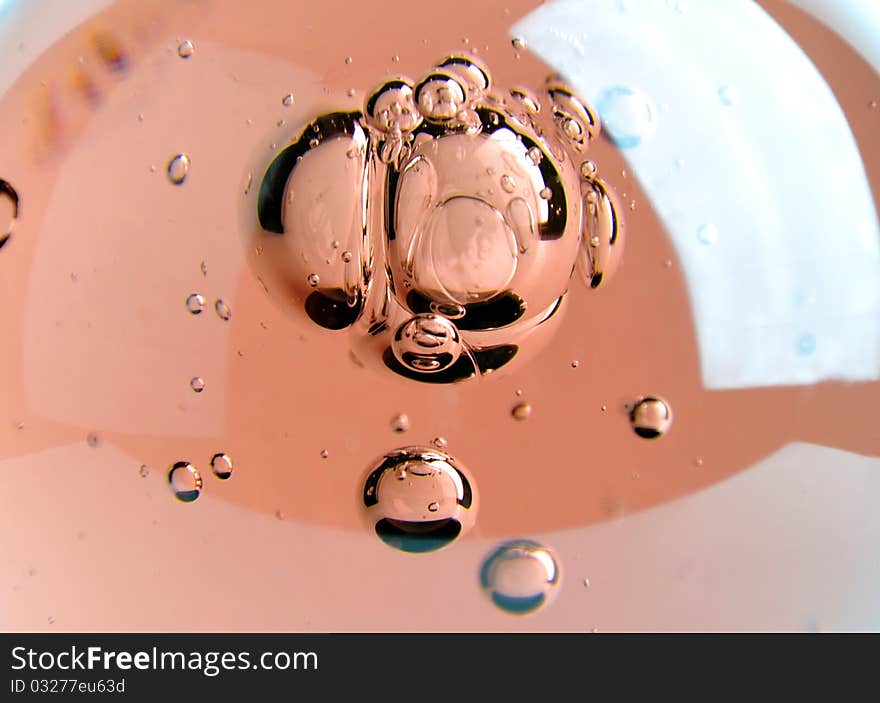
<point x="178" y="168"/>
<point x="520" y="576"/>
<point x="9" y="207"/>
<point x="185" y="479"/>
<point x="651" y="417"/>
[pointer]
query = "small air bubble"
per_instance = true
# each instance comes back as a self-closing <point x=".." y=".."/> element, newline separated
<point x="588" y="169"/>
<point x="197" y="384"/>
<point x="440" y="442"/>
<point x="93" y="440"/>
<point x="521" y="411"/>
<point x="348" y="60"/>
<point x="707" y="234"/>
<point x="586" y="583"/>
<point x="324" y="454"/>
<point x="287" y="100"/>
<point x="575" y="363"/>
<point x="195" y="302"/>
<point x="178" y="168"/>
<point x="204" y="268"/>
<point x="222" y="310"/>
<point x="518" y="43"/>
<point x="727" y="94"/>
<point x="346" y="256"/>
<point x="144" y="471"/>
<point x="221" y="465"/>
<point x="806" y="344"/>
<point x="9" y="207"/>
<point x="185" y="481"/>
<point x="651" y="417"/>
<point x="433" y="507"/>
<point x="508" y="184"/>
<point x="313" y="280"/>
<point x="698" y="461"/>
<point x="546" y="193"/>
<point x="400" y="422"/>
<point x="535" y="155"/>
<point x="186" y="49"/>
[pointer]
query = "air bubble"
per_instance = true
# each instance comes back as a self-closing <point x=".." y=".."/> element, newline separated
<point x="518" y="43"/>
<point x="588" y="169"/>
<point x="535" y="155"/>
<point x="707" y="234"/>
<point x="9" y="206"/>
<point x="346" y="256"/>
<point x="287" y="100"/>
<point x="93" y="440"/>
<point x="419" y="499"/>
<point x="427" y="343"/>
<point x="204" y="268"/>
<point x="508" y="184"/>
<point x="325" y="454"/>
<point x="520" y="577"/>
<point x="313" y="280"/>
<point x="144" y="471"/>
<point x="185" y="481"/>
<point x="440" y="442"/>
<point x="629" y="116"/>
<point x="575" y="363"/>
<point x="521" y="411"/>
<point x="197" y="383"/>
<point x="186" y="49"/>
<point x="651" y="417"/>
<point x="222" y="310"/>
<point x="806" y="344"/>
<point x="400" y="422"/>
<point x="178" y="169"/>
<point x="221" y="465"/>
<point x="348" y="60"/>
<point x="572" y="129"/>
<point x="727" y="94"/>
<point x="546" y="193"/>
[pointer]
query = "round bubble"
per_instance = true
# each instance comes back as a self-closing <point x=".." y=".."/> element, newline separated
<point x="520" y="576"/>
<point x="629" y="116"/>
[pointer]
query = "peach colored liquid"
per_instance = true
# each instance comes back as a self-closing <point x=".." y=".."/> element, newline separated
<point x="93" y="284"/>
